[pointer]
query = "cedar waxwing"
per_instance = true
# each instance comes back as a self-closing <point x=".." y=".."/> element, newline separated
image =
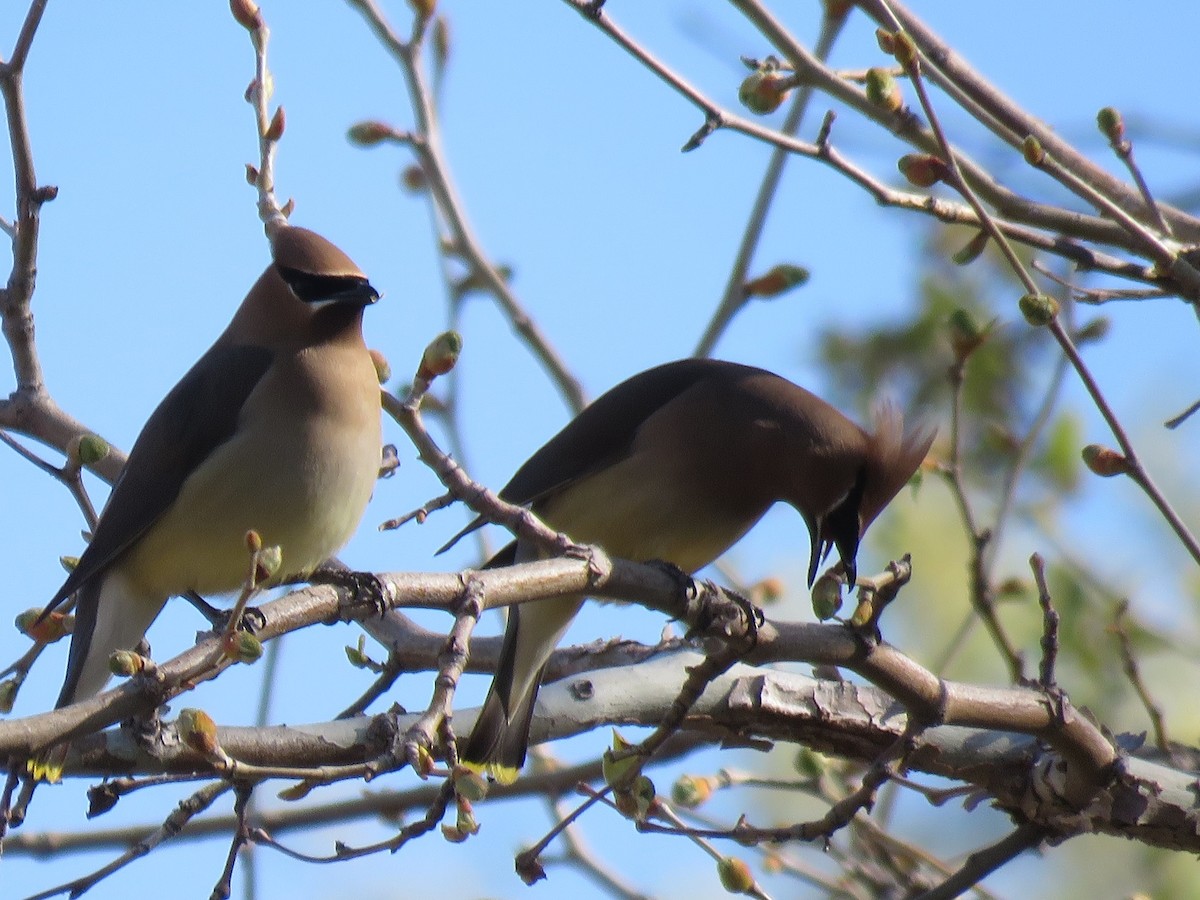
<point x="676" y="464"/>
<point x="276" y="428"/>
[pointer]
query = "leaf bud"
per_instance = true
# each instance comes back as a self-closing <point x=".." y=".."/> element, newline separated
<point x="1104" y="461"/>
<point x="778" y="280"/>
<point x="883" y="91"/>
<point x="198" y="731"/>
<point x="764" y="90"/>
<point x="735" y="875"/>
<point x="1038" y="309"/>
<point x="440" y="356"/>
<point x="369" y="133"/>
<point x="922" y="169"/>
<point x="826" y="597"/>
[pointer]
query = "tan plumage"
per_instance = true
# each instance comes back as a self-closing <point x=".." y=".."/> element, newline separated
<point x="676" y="464"/>
<point x="276" y="428"/>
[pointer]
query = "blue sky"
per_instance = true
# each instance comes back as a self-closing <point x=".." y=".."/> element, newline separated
<point x="567" y="154"/>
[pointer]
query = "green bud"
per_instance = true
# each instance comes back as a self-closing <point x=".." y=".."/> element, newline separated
<point x="270" y="561"/>
<point x="735" y="875"/>
<point x="972" y="249"/>
<point x="8" y="694"/>
<point x="883" y="91"/>
<point x="126" y="663"/>
<point x="243" y="647"/>
<point x="810" y="764"/>
<point x="1038" y="309"/>
<point x="690" y="791"/>
<point x="826" y="597"/>
<point x="88" y="449"/>
<point x="469" y="785"/>
<point x="1033" y="151"/>
<point x="464" y="821"/>
<point x="618" y="772"/>
<point x="1111" y="124"/>
<point x="966" y="335"/>
<point x="197" y="729"/>
<point x="1095" y="330"/>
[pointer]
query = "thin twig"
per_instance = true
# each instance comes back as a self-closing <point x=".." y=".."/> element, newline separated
<point x="982" y="863"/>
<point x="734" y="296"/>
<point x="1133" y="672"/>
<point x="169" y="829"/>
<point x="426" y="144"/>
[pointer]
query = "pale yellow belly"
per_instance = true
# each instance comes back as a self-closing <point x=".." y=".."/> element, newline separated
<point x="301" y="482"/>
<point x="634" y="511"/>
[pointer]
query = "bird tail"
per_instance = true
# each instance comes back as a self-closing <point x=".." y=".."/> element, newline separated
<point x="109" y="615"/>
<point x="500" y="738"/>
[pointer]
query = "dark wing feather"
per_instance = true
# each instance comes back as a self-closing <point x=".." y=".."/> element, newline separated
<point x="603" y="432"/>
<point x="198" y="415"/>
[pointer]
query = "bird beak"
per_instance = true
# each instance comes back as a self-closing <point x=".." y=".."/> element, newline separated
<point x="847" y="546"/>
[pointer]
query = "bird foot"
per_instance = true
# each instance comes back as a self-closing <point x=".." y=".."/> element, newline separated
<point x="729" y="613"/>
<point x="365" y="586"/>
<point x="685" y="583"/>
<point x="252" y="621"/>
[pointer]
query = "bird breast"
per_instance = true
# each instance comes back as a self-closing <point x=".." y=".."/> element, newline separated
<point x="299" y="469"/>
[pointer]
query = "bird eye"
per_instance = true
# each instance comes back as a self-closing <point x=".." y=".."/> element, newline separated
<point x="314" y="288"/>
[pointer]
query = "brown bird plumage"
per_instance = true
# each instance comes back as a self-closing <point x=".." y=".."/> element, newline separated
<point x="276" y="428"/>
<point x="676" y="464"/>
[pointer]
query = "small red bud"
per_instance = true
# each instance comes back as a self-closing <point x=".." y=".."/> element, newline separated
<point x="369" y="133"/>
<point x="278" y="122"/>
<point x="440" y="356"/>
<point x="778" y="280"/>
<point x="1104" y="461"/>
<point x="47" y="631"/>
<point x="246" y="13"/>
<point x="413" y="179"/>
<point x="905" y="50"/>
<point x="922" y="169"/>
<point x="763" y="91"/>
<point x="254" y="541"/>
<point x="423" y="8"/>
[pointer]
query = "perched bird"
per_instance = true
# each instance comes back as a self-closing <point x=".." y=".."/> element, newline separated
<point x="276" y="428"/>
<point x="676" y="464"/>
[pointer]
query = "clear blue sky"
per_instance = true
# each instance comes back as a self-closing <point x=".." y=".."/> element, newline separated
<point x="567" y="154"/>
